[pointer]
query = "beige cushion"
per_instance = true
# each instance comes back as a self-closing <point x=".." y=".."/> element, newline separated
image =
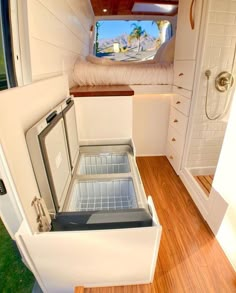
<point x="166" y="52"/>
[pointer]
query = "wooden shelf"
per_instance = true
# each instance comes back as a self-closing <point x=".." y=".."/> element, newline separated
<point x="101" y="91"/>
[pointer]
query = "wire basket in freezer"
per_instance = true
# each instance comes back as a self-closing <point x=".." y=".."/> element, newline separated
<point x="103" y="195"/>
<point x="108" y="163"/>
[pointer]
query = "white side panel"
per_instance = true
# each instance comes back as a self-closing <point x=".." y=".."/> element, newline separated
<point x="224" y="184"/>
<point x="104" y="118"/>
<point x="23" y="107"/>
<point x="10" y="211"/>
<point x="150" y="123"/>
<point x="94" y="258"/>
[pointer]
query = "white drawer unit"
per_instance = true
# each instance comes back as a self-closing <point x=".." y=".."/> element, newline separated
<point x="186" y="46"/>
<point x="178" y="121"/>
<point x="175" y="139"/>
<point x="184" y="74"/>
<point x="181" y="103"/>
<point x="183" y="92"/>
<point x="173" y="157"/>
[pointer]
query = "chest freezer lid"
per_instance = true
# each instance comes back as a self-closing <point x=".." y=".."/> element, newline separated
<point x="68" y="112"/>
<point x="56" y="158"/>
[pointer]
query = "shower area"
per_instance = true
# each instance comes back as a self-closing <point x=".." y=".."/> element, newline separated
<point x="214" y="92"/>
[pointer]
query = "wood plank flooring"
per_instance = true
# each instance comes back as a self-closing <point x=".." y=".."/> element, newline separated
<point x="205" y="182"/>
<point x="190" y="258"/>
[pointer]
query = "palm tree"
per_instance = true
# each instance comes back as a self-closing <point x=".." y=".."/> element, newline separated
<point x="136" y="33"/>
<point x="98" y="25"/>
<point x="161" y="24"/>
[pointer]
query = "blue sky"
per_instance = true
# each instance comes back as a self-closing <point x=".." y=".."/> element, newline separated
<point x="113" y="28"/>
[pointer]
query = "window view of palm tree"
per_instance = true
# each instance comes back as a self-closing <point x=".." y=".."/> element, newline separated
<point x="3" y="76"/>
<point x="130" y="40"/>
<point x="7" y="70"/>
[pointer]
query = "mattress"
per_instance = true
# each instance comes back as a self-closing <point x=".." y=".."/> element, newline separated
<point x="89" y="74"/>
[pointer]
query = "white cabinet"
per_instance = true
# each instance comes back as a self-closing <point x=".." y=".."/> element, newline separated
<point x="178" y="123"/>
<point x="187" y="34"/>
<point x="184" y="73"/>
<point x="181" y="103"/>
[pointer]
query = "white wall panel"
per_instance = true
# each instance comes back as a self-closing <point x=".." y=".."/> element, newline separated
<point x="82" y="9"/>
<point x="55" y="60"/>
<point x="150" y="123"/>
<point x="104" y="118"/>
<point x="56" y="33"/>
<point x="59" y="33"/>
<point x="65" y="13"/>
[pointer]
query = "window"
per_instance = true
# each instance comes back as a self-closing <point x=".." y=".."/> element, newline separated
<point x="7" y="75"/>
<point x="130" y="40"/>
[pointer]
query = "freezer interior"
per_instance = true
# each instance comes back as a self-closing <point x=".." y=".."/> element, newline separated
<point x="103" y="163"/>
<point x="103" y="195"/>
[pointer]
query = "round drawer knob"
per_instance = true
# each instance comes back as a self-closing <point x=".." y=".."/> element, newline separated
<point x="181" y="74"/>
<point x="173" y="139"/>
<point x="176" y="121"/>
<point x="178" y="102"/>
<point x="171" y="157"/>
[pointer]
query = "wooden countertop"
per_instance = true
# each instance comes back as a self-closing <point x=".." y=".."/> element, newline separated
<point x="101" y="91"/>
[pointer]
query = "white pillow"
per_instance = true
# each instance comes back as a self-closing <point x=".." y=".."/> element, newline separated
<point x="166" y="52"/>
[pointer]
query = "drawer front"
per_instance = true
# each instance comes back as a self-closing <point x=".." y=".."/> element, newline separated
<point x="184" y="74"/>
<point x="181" y="103"/>
<point x="183" y="92"/>
<point x="178" y="121"/>
<point x="173" y="158"/>
<point x="176" y="140"/>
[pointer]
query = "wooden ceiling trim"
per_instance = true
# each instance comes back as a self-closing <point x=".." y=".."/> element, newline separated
<point x="173" y="2"/>
<point x="115" y="6"/>
<point x="124" y="7"/>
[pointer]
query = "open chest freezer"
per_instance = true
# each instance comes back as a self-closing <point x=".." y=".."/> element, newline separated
<point x="85" y="187"/>
<point x="96" y="228"/>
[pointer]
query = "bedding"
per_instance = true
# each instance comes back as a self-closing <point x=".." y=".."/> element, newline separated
<point x="101" y="71"/>
<point x="90" y="74"/>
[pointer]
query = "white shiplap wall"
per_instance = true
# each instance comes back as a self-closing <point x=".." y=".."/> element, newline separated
<point x="59" y="32"/>
<point x="208" y="135"/>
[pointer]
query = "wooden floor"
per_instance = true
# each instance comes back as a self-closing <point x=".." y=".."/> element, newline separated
<point x="190" y="259"/>
<point x="205" y="182"/>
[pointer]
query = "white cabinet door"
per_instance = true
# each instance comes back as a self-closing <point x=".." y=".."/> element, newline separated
<point x="187" y="36"/>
